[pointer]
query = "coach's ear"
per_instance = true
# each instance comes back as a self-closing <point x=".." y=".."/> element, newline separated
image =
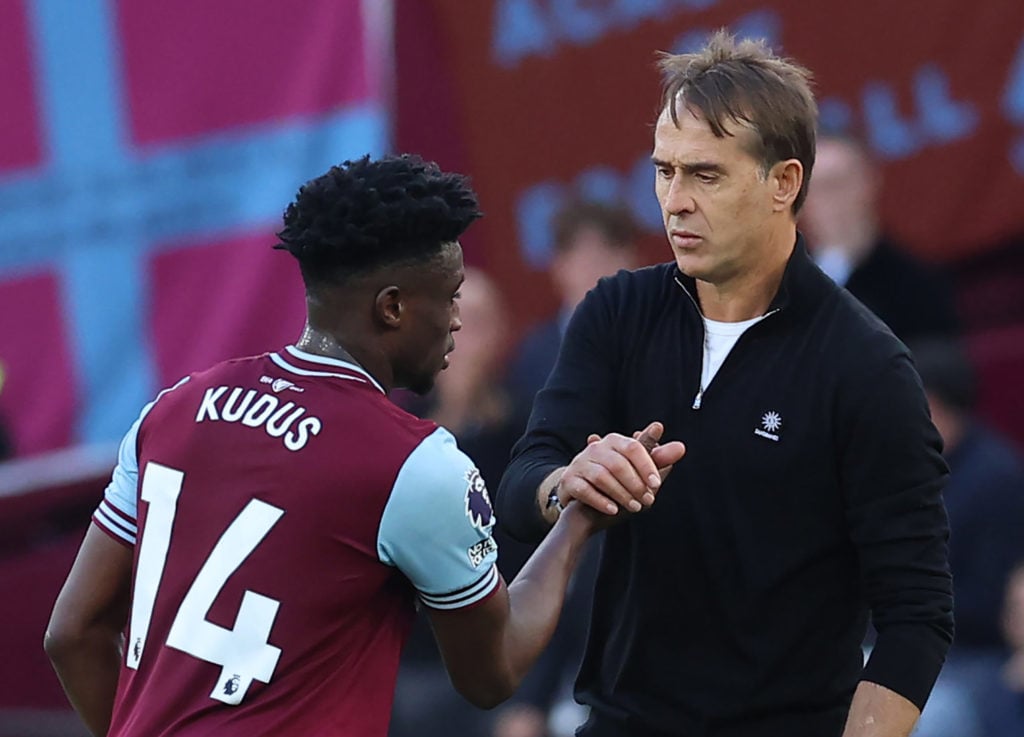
<point x="388" y="306"/>
<point x="787" y="177"/>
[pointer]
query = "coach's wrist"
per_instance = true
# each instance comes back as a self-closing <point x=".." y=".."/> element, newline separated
<point x="550" y="499"/>
<point x="554" y="501"/>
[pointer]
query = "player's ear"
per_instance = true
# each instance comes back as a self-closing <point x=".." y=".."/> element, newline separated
<point x="388" y="306"/>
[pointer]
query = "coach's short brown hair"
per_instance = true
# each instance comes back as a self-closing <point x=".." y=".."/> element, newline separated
<point x="745" y="82"/>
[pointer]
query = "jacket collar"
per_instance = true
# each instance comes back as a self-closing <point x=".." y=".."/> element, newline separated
<point x="802" y="281"/>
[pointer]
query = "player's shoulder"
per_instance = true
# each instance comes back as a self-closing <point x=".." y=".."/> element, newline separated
<point x="239" y="366"/>
<point x="436" y="468"/>
<point x="183" y="390"/>
<point x="406" y="431"/>
<point x="437" y="452"/>
<point x="437" y="525"/>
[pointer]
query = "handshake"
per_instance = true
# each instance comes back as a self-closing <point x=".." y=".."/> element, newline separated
<point x="616" y="473"/>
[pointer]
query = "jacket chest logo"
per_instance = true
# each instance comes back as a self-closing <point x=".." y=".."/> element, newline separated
<point x="771" y="425"/>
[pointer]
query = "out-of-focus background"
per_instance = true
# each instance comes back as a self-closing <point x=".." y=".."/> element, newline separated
<point x="147" y="151"/>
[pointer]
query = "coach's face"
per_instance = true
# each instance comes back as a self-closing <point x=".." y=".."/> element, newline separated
<point x="718" y="205"/>
<point x="430" y="316"/>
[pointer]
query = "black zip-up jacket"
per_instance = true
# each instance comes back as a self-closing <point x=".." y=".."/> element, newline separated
<point x="809" y="498"/>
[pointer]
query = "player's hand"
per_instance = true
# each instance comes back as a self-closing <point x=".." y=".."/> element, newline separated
<point x="664" y="456"/>
<point x="616" y="472"/>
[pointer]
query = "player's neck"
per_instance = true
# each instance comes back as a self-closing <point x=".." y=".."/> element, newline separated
<point x="323" y="343"/>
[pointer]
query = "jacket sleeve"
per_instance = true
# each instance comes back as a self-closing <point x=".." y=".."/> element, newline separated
<point x="892" y="475"/>
<point x="576" y="401"/>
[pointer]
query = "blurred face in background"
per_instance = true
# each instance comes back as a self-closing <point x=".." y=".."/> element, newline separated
<point x="587" y="257"/>
<point x="482" y="339"/>
<point x="1013" y="611"/>
<point x="840" y="211"/>
<point x="946" y="420"/>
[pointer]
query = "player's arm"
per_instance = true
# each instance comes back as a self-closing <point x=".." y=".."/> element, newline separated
<point x="436" y="528"/>
<point x="83" y="638"/>
<point x="877" y="711"/>
<point x="489" y="647"/>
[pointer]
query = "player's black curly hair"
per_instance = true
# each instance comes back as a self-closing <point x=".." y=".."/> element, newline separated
<point x="364" y="214"/>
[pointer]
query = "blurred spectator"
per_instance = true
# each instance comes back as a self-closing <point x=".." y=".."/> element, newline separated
<point x="999" y="695"/>
<point x="591" y="240"/>
<point x="470" y="400"/>
<point x="1002" y="704"/>
<point x="985" y="502"/>
<point x="844" y="233"/>
<point x="469" y="397"/>
<point x="984" y="497"/>
<point x="951" y="712"/>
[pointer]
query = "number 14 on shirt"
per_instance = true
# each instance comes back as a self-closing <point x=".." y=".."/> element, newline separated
<point x="243" y="652"/>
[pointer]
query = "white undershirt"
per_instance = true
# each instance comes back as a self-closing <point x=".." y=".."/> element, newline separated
<point x="719" y="338"/>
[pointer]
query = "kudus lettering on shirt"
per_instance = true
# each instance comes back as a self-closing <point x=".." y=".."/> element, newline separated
<point x="257" y="409"/>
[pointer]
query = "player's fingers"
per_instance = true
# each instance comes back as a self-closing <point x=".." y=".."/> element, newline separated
<point x="650" y="435"/>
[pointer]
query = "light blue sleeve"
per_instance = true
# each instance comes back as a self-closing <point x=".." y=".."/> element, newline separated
<point x="117" y="514"/>
<point x="437" y="525"/>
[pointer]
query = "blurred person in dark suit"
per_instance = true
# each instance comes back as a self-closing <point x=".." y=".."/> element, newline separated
<point x="1002" y="703"/>
<point x="592" y="240"/>
<point x="985" y="502"/>
<point x="984" y="497"/>
<point x="846" y="237"/>
<point x="994" y="707"/>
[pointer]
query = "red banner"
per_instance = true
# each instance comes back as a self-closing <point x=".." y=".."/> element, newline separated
<point x="532" y="97"/>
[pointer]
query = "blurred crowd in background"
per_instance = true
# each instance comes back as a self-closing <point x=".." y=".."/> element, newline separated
<point x="139" y="191"/>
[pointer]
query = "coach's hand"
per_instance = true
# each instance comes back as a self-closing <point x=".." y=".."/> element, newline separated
<point x="615" y="471"/>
